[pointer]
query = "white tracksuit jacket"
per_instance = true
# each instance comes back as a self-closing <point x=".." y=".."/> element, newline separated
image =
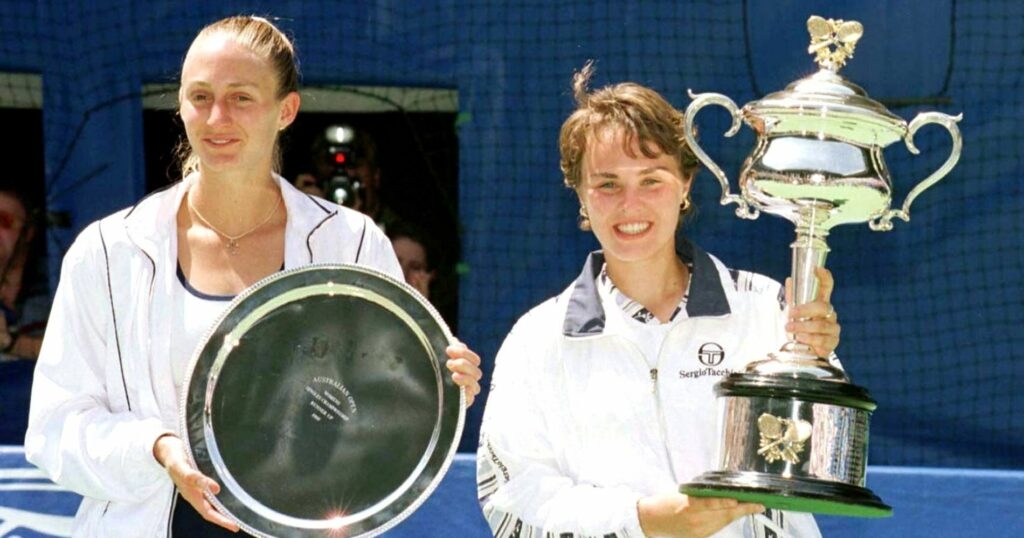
<point x="578" y="427"/>
<point x="94" y="413"/>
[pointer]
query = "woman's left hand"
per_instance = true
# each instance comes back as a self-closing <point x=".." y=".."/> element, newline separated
<point x="816" y="323"/>
<point x="465" y="367"/>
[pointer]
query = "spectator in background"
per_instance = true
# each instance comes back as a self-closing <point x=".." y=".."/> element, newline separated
<point x="414" y="255"/>
<point x="24" y="308"/>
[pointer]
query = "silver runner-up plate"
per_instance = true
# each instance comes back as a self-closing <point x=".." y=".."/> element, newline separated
<point x="321" y="404"/>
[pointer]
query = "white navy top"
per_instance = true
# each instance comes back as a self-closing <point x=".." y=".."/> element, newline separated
<point x="196" y="312"/>
<point x="640" y="325"/>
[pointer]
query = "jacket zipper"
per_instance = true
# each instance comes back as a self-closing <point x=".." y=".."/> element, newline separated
<point x="662" y="430"/>
<point x="661" y="421"/>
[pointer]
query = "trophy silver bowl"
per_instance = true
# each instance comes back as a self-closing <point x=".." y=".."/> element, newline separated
<point x="794" y="429"/>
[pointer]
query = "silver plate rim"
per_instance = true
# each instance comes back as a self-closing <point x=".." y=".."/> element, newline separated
<point x="326" y="269"/>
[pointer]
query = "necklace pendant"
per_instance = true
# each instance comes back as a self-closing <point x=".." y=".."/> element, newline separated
<point x="232" y="246"/>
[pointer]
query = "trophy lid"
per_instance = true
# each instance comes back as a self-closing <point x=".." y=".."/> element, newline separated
<point x="825" y="104"/>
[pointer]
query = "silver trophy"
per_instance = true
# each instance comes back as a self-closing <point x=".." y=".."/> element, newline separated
<point x="794" y="429"/>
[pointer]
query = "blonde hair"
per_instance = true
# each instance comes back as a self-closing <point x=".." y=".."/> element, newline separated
<point x="268" y="42"/>
<point x="643" y="115"/>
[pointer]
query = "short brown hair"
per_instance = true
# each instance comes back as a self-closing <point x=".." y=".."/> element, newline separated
<point x="643" y="114"/>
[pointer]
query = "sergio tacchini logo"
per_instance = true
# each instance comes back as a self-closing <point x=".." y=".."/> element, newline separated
<point x="711" y="354"/>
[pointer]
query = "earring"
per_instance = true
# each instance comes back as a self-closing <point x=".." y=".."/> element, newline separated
<point x="584" y="219"/>
<point x="685" y="206"/>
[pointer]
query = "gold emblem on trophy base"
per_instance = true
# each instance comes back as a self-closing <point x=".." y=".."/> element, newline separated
<point x="781" y="438"/>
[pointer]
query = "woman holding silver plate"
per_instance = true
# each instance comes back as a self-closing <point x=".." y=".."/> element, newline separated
<point x="140" y="288"/>
<point x="602" y="400"/>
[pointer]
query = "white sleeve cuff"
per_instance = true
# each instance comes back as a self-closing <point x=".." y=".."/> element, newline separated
<point x="149" y="431"/>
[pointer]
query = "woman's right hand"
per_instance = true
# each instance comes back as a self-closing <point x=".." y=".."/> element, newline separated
<point x="169" y="451"/>
<point x="679" y="516"/>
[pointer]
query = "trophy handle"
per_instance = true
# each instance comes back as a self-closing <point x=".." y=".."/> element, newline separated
<point x="744" y="210"/>
<point x="884" y="222"/>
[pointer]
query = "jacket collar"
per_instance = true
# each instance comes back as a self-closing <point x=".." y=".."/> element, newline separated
<point x="146" y="223"/>
<point x="585" y="314"/>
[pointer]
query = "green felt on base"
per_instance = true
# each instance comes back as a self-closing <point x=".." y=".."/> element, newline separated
<point x="790" y="502"/>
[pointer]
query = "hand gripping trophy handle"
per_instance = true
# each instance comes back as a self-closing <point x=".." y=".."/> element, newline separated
<point x="810" y="248"/>
<point x="883" y="223"/>
<point x="701" y="100"/>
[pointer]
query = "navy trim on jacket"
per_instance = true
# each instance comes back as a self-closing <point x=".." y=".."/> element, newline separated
<point x="585" y="316"/>
<point x="113" y="314"/>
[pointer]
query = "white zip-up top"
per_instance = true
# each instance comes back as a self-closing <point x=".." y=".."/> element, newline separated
<point x="96" y="406"/>
<point x="579" y="425"/>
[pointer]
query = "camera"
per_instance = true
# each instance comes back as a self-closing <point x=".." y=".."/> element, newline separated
<point x="341" y="188"/>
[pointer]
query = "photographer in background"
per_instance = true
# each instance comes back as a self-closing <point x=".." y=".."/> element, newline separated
<point x="345" y="170"/>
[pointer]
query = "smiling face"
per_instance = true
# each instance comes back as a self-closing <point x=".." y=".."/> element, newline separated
<point x="230" y="107"/>
<point x="632" y="200"/>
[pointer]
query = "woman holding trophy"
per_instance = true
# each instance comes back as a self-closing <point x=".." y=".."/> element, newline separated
<point x="602" y="400"/>
<point x="139" y="289"/>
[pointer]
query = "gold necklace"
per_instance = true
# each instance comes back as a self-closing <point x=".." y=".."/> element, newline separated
<point x="232" y="240"/>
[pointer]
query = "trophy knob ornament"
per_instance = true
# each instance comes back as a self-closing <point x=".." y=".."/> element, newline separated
<point x="794" y="429"/>
<point x="832" y="41"/>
